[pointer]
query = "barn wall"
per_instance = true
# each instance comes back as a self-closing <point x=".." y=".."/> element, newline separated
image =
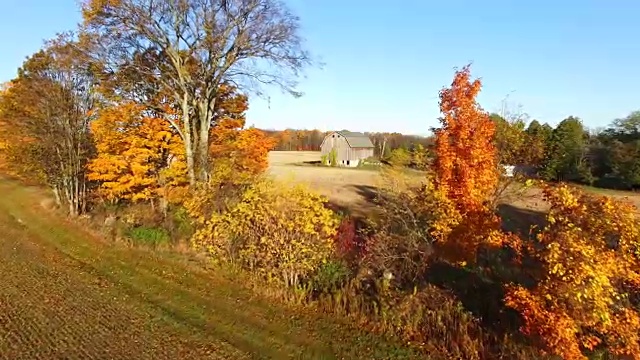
<point x="344" y="152"/>
<point x="328" y="143"/>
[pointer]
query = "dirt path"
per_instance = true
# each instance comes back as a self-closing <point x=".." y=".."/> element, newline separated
<point x="66" y="295"/>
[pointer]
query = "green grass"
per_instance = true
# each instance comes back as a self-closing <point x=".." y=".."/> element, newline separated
<point x="150" y="236"/>
<point x="67" y="294"/>
<point x="603" y="191"/>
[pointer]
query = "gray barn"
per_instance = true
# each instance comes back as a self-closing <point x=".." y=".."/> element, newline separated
<point x="351" y="147"/>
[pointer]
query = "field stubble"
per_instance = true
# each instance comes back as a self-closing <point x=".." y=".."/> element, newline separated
<point x="67" y="294"/>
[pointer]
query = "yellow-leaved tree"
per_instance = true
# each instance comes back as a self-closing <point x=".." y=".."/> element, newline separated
<point x="586" y="294"/>
<point x="139" y="157"/>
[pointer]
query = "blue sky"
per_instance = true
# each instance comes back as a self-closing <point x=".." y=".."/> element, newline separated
<point x="385" y="63"/>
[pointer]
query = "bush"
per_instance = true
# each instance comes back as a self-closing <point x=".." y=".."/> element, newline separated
<point x="588" y="254"/>
<point x="179" y="224"/>
<point x="400" y="157"/>
<point x="150" y="236"/>
<point x="420" y="158"/>
<point x="350" y="241"/>
<point x="324" y="160"/>
<point x="284" y="233"/>
<point x="222" y="192"/>
<point x="330" y="277"/>
<point x="333" y="157"/>
<point x="371" y="160"/>
<point x="437" y="320"/>
<point x="402" y="242"/>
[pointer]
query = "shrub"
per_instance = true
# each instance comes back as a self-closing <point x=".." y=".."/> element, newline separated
<point x="151" y="236"/>
<point x="330" y="277"/>
<point x="429" y="317"/>
<point x="222" y="192"/>
<point x="333" y="157"/>
<point x="420" y="158"/>
<point x="588" y="255"/>
<point x="284" y="233"/>
<point x="371" y="160"/>
<point x="438" y="321"/>
<point x="412" y="217"/>
<point x="400" y="157"/>
<point x="324" y="160"/>
<point x="349" y="243"/>
<point x="180" y="224"/>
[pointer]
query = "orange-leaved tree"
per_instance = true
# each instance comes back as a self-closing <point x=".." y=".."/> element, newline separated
<point x="139" y="156"/>
<point x="466" y="171"/>
<point x="244" y="150"/>
<point x="466" y="168"/>
<point x="586" y="295"/>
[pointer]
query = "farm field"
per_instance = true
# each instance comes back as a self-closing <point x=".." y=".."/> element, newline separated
<point x="66" y="294"/>
<point x="345" y="187"/>
<point x="352" y="188"/>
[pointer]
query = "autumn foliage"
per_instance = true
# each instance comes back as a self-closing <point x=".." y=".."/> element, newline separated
<point x="231" y="144"/>
<point x="161" y="126"/>
<point x="465" y="165"/>
<point x="139" y="156"/>
<point x="281" y="232"/>
<point x="590" y="271"/>
<point x="246" y="150"/>
<point x="466" y="171"/>
<point x="4" y="131"/>
<point x="586" y="270"/>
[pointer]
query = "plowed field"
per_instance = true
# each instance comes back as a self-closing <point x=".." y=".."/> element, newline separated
<point x="65" y="294"/>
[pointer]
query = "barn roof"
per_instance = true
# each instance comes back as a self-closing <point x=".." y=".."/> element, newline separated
<point x="356" y="139"/>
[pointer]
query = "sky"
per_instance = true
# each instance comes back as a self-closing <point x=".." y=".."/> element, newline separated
<point x="384" y="61"/>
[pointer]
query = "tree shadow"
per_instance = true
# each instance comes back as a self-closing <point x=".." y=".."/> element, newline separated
<point x="367" y="192"/>
<point x="481" y="295"/>
<point x="482" y="292"/>
<point x="524" y="222"/>
<point x="362" y="206"/>
<point x="339" y="208"/>
<point x="317" y="163"/>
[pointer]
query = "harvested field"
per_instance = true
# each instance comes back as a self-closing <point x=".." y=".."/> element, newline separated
<point x="66" y="294"/>
<point x="352" y="189"/>
<point x="345" y="187"/>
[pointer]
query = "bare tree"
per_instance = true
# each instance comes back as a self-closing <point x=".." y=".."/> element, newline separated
<point x="181" y="52"/>
<point x="48" y="108"/>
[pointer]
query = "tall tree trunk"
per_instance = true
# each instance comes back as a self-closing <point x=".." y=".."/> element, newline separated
<point x="384" y="144"/>
<point x="203" y="154"/>
<point x="56" y="194"/>
<point x="188" y="147"/>
<point x="188" y="142"/>
<point x="205" y="114"/>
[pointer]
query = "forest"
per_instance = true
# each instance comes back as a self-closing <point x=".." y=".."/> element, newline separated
<point x="137" y="120"/>
<point x="310" y="140"/>
<point x="571" y="152"/>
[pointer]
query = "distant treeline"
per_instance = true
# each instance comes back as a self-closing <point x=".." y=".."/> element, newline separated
<point x="310" y="140"/>
<point x="607" y="157"/>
